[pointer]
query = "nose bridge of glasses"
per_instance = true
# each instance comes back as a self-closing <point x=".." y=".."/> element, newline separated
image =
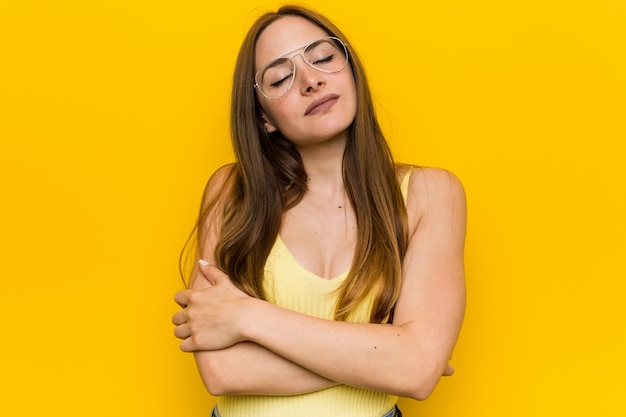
<point x="305" y="65"/>
<point x="305" y="71"/>
<point x="301" y="55"/>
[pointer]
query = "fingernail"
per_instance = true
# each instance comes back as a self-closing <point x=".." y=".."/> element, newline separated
<point x="203" y="262"/>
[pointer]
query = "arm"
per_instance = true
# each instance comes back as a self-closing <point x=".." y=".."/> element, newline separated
<point x="247" y="368"/>
<point x="244" y="368"/>
<point x="406" y="358"/>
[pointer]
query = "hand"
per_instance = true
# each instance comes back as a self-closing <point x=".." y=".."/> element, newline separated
<point x="211" y="312"/>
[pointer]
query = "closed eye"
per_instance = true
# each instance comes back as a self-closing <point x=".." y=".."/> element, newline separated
<point x="281" y="81"/>
<point x="324" y="60"/>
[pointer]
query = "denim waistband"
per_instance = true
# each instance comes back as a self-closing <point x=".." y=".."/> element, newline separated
<point x="394" y="412"/>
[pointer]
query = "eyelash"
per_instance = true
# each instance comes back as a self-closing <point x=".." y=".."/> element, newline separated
<point x="324" y="60"/>
<point x="279" y="82"/>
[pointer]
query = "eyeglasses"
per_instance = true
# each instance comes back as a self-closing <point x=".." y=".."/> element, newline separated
<point x="275" y="79"/>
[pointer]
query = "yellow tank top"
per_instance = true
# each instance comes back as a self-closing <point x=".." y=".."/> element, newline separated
<point x="289" y="285"/>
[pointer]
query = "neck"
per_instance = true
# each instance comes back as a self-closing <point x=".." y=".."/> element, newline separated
<point x="324" y="164"/>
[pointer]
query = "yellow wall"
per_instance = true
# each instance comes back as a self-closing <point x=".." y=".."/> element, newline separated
<point x="114" y="113"/>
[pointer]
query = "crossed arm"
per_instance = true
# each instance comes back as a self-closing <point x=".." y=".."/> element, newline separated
<point x="244" y="345"/>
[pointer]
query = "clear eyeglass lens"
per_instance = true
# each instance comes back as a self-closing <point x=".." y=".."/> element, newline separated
<point x="326" y="55"/>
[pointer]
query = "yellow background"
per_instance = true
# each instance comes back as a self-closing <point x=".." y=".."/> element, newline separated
<point x="114" y="114"/>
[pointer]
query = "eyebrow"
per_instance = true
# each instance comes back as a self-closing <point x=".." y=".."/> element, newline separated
<point x="273" y="62"/>
<point x="297" y="49"/>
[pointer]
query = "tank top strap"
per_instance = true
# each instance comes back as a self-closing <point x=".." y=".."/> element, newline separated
<point x="404" y="184"/>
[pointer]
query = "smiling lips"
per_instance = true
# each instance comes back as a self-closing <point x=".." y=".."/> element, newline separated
<point x="321" y="104"/>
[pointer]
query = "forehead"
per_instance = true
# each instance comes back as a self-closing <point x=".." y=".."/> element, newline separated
<point x="283" y="36"/>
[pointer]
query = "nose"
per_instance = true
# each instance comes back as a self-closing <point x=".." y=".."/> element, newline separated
<point x="309" y="79"/>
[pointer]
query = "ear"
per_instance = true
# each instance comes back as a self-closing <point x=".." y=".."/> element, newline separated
<point x="269" y="126"/>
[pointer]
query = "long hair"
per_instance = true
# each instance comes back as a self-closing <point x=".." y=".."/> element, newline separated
<point x="269" y="178"/>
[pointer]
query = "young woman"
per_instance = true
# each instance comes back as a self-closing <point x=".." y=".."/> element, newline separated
<point x="329" y="279"/>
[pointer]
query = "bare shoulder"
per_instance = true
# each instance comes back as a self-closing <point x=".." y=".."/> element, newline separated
<point x="219" y="184"/>
<point x="435" y="181"/>
<point x="434" y="193"/>
<point x="214" y="199"/>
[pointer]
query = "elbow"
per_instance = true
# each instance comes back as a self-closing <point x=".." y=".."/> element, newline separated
<point x="215" y="391"/>
<point x="421" y="387"/>
<point x="215" y="387"/>
<point x="422" y="392"/>
<point x="212" y="378"/>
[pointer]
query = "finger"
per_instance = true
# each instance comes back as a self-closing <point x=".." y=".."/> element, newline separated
<point x="449" y="370"/>
<point x="182" y="298"/>
<point x="199" y="281"/>
<point x="182" y="331"/>
<point x="208" y="271"/>
<point x="179" y="318"/>
<point x="190" y="343"/>
<point x="187" y="345"/>
<point x="212" y="273"/>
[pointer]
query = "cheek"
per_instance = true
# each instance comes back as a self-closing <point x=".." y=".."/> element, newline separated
<point x="268" y="110"/>
<point x="279" y="112"/>
<point x="353" y="98"/>
<point x="350" y="90"/>
<point x="352" y="84"/>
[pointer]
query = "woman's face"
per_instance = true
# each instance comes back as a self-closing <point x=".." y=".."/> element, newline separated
<point x="319" y="106"/>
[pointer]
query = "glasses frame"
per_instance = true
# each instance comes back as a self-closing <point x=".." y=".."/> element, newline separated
<point x="293" y="64"/>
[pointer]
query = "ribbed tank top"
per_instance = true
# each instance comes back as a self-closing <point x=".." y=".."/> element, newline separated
<point x="289" y="285"/>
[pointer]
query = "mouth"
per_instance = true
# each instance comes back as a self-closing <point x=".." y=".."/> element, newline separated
<point x="321" y="104"/>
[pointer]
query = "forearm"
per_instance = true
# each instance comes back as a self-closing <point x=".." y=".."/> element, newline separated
<point x="399" y="360"/>
<point x="249" y="369"/>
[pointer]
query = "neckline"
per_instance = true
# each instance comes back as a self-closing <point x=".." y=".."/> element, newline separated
<point x="337" y="278"/>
